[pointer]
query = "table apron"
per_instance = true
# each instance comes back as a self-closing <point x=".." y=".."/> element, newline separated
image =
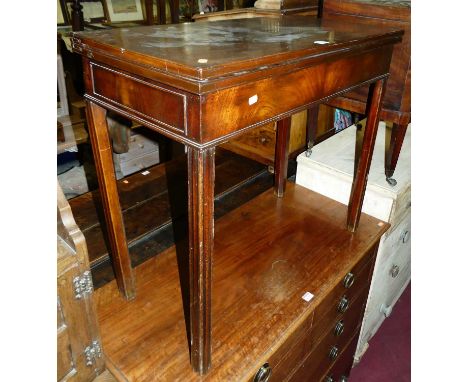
<point x="203" y="121"/>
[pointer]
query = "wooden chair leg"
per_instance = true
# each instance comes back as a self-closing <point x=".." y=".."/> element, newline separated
<point x="374" y="104"/>
<point x="393" y="151"/>
<point x="311" y="129"/>
<point x="201" y="175"/>
<point x="283" y="128"/>
<point x="102" y="151"/>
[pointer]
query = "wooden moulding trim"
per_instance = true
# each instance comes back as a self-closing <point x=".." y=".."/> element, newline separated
<point x="203" y="81"/>
<point x="192" y="143"/>
<point x="138" y="117"/>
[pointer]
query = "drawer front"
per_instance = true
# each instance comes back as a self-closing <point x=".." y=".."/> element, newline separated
<point x="158" y="104"/>
<point x="319" y="361"/>
<point x="396" y="274"/>
<point x="137" y="164"/>
<point x="402" y="207"/>
<point x="343" y="364"/>
<point x="348" y="319"/>
<point x="290" y="353"/>
<point x="400" y="237"/>
<point x="361" y="272"/>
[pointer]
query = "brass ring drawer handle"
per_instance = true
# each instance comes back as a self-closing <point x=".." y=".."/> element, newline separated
<point x="405" y="236"/>
<point x="263" y="374"/>
<point x="348" y="280"/>
<point x="333" y="353"/>
<point x="394" y="271"/>
<point x="343" y="305"/>
<point x="339" y="328"/>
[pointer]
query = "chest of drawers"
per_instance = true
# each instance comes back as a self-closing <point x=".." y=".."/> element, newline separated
<point x="331" y="175"/>
<point x="143" y="152"/>
<point x="266" y="328"/>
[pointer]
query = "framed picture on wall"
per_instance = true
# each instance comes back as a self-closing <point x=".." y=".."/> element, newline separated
<point x="124" y="10"/>
<point x="62" y="15"/>
<point x="94" y="11"/>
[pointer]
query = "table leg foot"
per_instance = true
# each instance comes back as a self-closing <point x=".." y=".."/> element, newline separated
<point x="392" y="182"/>
<point x="393" y="149"/>
<point x="201" y="174"/>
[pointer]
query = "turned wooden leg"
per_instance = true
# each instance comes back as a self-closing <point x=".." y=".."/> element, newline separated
<point x="393" y="151"/>
<point x="102" y="151"/>
<point x="311" y="132"/>
<point x="358" y="188"/>
<point x="201" y="176"/>
<point x="283" y="128"/>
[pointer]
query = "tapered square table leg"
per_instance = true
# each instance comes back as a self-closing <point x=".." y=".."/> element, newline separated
<point x="201" y="175"/>
<point x="374" y="104"/>
<point x="283" y="128"/>
<point x="102" y="151"/>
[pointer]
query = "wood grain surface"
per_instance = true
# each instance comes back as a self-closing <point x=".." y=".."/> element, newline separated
<point x="268" y="253"/>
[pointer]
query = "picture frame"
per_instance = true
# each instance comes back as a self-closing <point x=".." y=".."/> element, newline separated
<point x="94" y="11"/>
<point x="124" y="10"/>
<point x="62" y="14"/>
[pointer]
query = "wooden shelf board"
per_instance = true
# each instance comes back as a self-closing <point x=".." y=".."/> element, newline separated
<point x="268" y="253"/>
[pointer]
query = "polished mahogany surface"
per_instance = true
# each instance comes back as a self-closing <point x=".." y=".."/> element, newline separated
<point x="205" y="50"/>
<point x="269" y="252"/>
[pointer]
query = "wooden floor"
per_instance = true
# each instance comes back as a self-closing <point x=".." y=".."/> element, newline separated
<point x="268" y="253"/>
<point x="105" y="377"/>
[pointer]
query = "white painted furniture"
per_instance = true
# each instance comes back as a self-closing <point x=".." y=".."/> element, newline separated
<point x="142" y="153"/>
<point x="329" y="171"/>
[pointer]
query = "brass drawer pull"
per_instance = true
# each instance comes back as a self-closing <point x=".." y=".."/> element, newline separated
<point x="339" y="328"/>
<point x="394" y="271"/>
<point x="404" y="237"/>
<point x="263" y="374"/>
<point x="333" y="353"/>
<point x="328" y="379"/>
<point x="348" y="280"/>
<point x="343" y="305"/>
<point x="343" y="378"/>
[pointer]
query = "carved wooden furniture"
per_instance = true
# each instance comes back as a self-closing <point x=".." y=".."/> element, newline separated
<point x="397" y="100"/>
<point x="79" y="355"/>
<point x="172" y="80"/>
<point x="329" y="171"/>
<point x="265" y="320"/>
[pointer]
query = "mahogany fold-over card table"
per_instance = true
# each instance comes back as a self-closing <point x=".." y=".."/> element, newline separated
<point x="202" y="84"/>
